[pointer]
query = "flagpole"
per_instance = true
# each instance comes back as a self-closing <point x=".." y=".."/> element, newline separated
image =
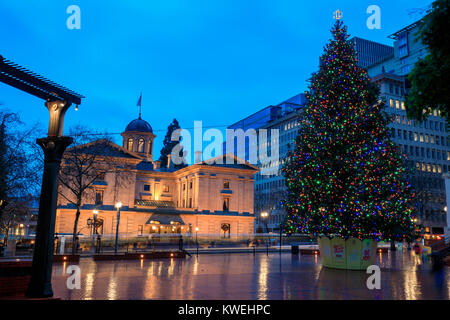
<point x="140" y="105"/>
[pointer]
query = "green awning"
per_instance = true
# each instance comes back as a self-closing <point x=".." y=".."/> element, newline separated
<point x="165" y="219"/>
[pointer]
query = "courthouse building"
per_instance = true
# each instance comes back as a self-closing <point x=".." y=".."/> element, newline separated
<point x="209" y="197"/>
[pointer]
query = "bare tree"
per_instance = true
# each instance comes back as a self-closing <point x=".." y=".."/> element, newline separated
<point x="19" y="169"/>
<point x="87" y="161"/>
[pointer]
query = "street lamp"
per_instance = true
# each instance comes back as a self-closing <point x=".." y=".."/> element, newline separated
<point x="264" y="215"/>
<point x="196" y="238"/>
<point x="118" y="206"/>
<point x="94" y="230"/>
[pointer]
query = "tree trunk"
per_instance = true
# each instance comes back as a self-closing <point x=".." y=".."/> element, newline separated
<point x="75" y="232"/>
<point x="393" y="247"/>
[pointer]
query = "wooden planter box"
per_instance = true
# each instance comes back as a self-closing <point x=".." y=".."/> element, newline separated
<point x="141" y="255"/>
<point x="66" y="258"/>
<point x="350" y="254"/>
<point x="14" y="278"/>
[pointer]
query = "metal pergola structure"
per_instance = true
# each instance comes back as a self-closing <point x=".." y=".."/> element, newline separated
<point x="34" y="84"/>
<point x="57" y="100"/>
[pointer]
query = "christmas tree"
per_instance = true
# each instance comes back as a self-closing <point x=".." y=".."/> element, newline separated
<point x="344" y="176"/>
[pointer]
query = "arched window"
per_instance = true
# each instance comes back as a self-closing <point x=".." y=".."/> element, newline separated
<point x="141" y="145"/>
<point x="130" y="144"/>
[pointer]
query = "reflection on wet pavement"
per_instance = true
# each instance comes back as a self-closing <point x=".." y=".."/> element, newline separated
<point x="244" y="276"/>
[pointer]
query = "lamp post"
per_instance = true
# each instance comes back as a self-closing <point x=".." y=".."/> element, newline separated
<point x="196" y="238"/>
<point x="58" y="100"/>
<point x="94" y="230"/>
<point x="281" y="235"/>
<point x="264" y="215"/>
<point x="118" y="206"/>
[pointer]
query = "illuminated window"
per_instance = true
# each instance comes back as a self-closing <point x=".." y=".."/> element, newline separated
<point x="416" y="136"/>
<point x="226" y="184"/>
<point x="130" y="144"/>
<point x="391" y="103"/>
<point x="397" y="104"/>
<point x="141" y="145"/>
<point x="403" y="105"/>
<point x="166" y="188"/>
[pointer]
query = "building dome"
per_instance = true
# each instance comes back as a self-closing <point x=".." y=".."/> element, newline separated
<point x="139" y="125"/>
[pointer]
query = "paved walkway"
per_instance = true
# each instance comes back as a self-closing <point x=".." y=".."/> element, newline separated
<point x="245" y="276"/>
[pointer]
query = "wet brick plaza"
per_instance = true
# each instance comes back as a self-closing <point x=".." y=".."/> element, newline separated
<point x="246" y="276"/>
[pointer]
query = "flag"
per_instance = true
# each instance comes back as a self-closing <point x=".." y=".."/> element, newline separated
<point x="140" y="100"/>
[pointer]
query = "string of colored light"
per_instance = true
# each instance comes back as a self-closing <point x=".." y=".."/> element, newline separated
<point x="344" y="176"/>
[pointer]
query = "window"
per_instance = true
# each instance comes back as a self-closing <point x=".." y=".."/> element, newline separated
<point x="140" y="230"/>
<point x="101" y="176"/>
<point x="141" y="145"/>
<point x="146" y="187"/>
<point x="99" y="197"/>
<point x="166" y="188"/>
<point x="226" y="184"/>
<point x="391" y="103"/>
<point x="184" y="186"/>
<point x="190" y="185"/>
<point x="403" y="45"/>
<point x="190" y="202"/>
<point x="130" y="144"/>
<point x="226" y="204"/>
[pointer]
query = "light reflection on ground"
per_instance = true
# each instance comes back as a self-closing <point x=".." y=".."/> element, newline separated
<point x="244" y="276"/>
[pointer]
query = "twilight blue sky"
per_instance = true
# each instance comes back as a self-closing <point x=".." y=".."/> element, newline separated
<point x="211" y="60"/>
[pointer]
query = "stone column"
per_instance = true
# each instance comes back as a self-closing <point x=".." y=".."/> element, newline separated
<point x="40" y="284"/>
<point x="53" y="146"/>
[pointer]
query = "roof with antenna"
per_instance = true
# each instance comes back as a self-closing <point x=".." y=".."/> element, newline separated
<point x="34" y="84"/>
